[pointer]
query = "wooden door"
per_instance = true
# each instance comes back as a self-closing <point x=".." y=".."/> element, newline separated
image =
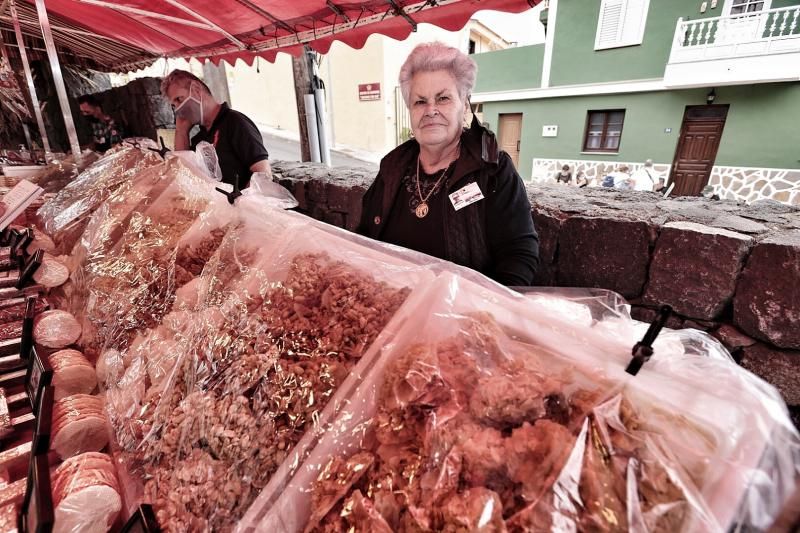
<point x="510" y="132"/>
<point x="697" y="148"/>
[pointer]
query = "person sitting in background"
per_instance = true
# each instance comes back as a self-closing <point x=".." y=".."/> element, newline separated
<point x="237" y="140"/>
<point x="564" y="175"/>
<point x="105" y="131"/>
<point x="580" y="180"/>
<point x="622" y="178"/>
<point x="450" y="192"/>
<point x="644" y="179"/>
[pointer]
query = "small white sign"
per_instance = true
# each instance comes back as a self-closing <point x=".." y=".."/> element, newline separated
<point x="17" y="200"/>
<point x="466" y="196"/>
<point x="550" y="131"/>
<point x="667" y="130"/>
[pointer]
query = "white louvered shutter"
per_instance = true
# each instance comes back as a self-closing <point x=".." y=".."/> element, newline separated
<point x="621" y="23"/>
<point x="610" y="23"/>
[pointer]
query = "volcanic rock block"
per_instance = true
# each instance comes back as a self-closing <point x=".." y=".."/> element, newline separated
<point x="148" y="85"/>
<point x="767" y="301"/>
<point x="333" y="218"/>
<point x="354" y="203"/>
<point x="317" y="192"/>
<point x="342" y="189"/>
<point x="548" y="225"/>
<point x="781" y="368"/>
<point x="732" y="338"/>
<point x="604" y="252"/>
<point x="648" y="315"/>
<point x="695" y="267"/>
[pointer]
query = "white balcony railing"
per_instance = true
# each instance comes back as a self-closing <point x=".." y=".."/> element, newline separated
<point x="772" y="31"/>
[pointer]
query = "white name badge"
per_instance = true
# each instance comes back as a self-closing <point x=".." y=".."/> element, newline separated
<point x="466" y="196"/>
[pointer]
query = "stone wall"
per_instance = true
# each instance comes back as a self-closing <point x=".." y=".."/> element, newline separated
<point x="728" y="269"/>
<point x="140" y="106"/>
<point x="544" y="170"/>
<point x="751" y="184"/>
<point x="742" y="184"/>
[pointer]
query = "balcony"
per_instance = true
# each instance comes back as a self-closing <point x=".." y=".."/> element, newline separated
<point x="757" y="47"/>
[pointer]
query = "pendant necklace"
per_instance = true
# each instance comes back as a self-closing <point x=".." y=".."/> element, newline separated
<point x="422" y="209"/>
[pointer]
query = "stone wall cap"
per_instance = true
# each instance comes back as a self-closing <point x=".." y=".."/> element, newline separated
<point x="739" y="224"/>
<point x="785" y="238"/>
<point x="702" y="228"/>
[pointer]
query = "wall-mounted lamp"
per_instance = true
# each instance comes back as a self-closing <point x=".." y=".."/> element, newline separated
<point x="711" y="96"/>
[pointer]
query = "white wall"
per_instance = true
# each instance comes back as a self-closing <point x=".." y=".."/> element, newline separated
<point x="265" y="92"/>
<point x="354" y="123"/>
<point x="159" y="69"/>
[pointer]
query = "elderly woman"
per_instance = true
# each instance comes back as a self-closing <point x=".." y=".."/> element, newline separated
<point x="450" y="192"/>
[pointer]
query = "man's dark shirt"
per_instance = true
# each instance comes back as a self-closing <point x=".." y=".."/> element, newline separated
<point x="238" y="143"/>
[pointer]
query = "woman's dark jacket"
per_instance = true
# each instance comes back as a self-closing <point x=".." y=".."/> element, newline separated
<point x="494" y="236"/>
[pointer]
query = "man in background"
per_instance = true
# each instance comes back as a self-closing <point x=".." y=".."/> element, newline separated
<point x="237" y="140"/>
<point x="645" y="178"/>
<point x="105" y="130"/>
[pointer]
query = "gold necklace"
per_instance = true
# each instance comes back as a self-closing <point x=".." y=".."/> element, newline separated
<point x="422" y="209"/>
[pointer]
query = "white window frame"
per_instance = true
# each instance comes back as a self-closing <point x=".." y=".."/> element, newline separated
<point x="635" y="39"/>
<point x="726" y="10"/>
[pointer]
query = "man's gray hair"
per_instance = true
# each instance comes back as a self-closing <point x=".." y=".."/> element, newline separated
<point x="427" y="57"/>
<point x="183" y="78"/>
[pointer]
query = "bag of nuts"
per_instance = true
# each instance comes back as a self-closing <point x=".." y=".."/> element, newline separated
<point x="486" y="412"/>
<point x="274" y="335"/>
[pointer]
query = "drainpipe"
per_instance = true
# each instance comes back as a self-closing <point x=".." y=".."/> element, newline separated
<point x="58" y="79"/>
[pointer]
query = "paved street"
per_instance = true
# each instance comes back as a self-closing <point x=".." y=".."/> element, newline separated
<point x="289" y="150"/>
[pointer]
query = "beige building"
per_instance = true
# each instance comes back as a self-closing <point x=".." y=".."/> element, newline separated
<point x="365" y="109"/>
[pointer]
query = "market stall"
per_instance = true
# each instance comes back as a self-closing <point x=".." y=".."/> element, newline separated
<point x="176" y="359"/>
<point x="211" y="366"/>
<point x="117" y="37"/>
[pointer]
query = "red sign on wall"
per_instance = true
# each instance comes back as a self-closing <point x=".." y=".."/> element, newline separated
<point x="369" y="91"/>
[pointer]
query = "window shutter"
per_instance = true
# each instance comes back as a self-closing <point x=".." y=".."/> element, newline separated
<point x="610" y="23"/>
<point x="621" y="23"/>
<point x="633" y="27"/>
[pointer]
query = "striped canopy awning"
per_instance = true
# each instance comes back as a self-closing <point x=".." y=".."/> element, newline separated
<point x="76" y="44"/>
<point x="122" y="35"/>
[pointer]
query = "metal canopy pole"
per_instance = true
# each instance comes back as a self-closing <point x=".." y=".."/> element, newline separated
<point x="31" y="88"/>
<point x="203" y="19"/>
<point x="149" y="14"/>
<point x="58" y="79"/>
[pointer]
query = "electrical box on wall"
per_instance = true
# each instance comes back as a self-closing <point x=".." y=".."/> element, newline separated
<point x="713" y="4"/>
<point x="703" y="7"/>
<point x="549" y="131"/>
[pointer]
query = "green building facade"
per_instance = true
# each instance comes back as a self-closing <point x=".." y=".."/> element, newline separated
<point x="710" y="91"/>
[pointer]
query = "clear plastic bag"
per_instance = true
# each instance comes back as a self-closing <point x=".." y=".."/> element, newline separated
<point x="480" y="412"/>
<point x="58" y="173"/>
<point x="280" y="197"/>
<point x="202" y="160"/>
<point x="160" y="246"/>
<point x="277" y="328"/>
<point x="64" y="216"/>
<point x="86" y="494"/>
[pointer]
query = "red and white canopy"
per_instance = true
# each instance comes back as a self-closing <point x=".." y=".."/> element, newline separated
<point x="124" y="34"/>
